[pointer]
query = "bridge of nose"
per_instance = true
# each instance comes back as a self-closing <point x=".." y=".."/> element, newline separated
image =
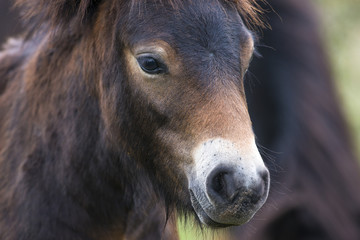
<point x="220" y="112"/>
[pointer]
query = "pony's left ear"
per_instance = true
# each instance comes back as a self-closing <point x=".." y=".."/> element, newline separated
<point x="57" y="12"/>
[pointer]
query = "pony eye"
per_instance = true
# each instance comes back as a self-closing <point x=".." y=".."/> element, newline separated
<point x="151" y="65"/>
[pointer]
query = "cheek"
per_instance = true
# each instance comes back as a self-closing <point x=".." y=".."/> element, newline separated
<point x="178" y="146"/>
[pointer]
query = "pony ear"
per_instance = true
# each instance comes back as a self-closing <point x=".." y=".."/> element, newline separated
<point x="56" y="12"/>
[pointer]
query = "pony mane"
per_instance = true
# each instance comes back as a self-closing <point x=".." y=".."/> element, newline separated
<point x="251" y="12"/>
<point x="64" y="12"/>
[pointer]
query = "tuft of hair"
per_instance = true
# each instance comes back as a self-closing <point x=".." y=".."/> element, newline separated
<point x="57" y="13"/>
<point x="251" y="12"/>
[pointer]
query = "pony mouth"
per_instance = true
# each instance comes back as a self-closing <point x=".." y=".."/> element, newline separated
<point x="203" y="216"/>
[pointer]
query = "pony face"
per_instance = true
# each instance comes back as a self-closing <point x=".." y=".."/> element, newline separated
<point x="187" y="119"/>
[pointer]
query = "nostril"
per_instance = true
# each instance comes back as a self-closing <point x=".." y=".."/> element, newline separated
<point x="261" y="189"/>
<point x="258" y="192"/>
<point x="218" y="182"/>
<point x="222" y="185"/>
<point x="265" y="176"/>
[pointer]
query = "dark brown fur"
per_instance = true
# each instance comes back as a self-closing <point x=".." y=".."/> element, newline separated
<point x="78" y="155"/>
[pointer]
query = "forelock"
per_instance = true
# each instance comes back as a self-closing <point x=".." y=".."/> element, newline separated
<point x="78" y="12"/>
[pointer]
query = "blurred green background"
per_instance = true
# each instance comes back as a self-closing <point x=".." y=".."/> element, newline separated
<point x="340" y="22"/>
<point x="341" y="25"/>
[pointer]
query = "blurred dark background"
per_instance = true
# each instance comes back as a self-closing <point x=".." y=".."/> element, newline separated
<point x="9" y="21"/>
